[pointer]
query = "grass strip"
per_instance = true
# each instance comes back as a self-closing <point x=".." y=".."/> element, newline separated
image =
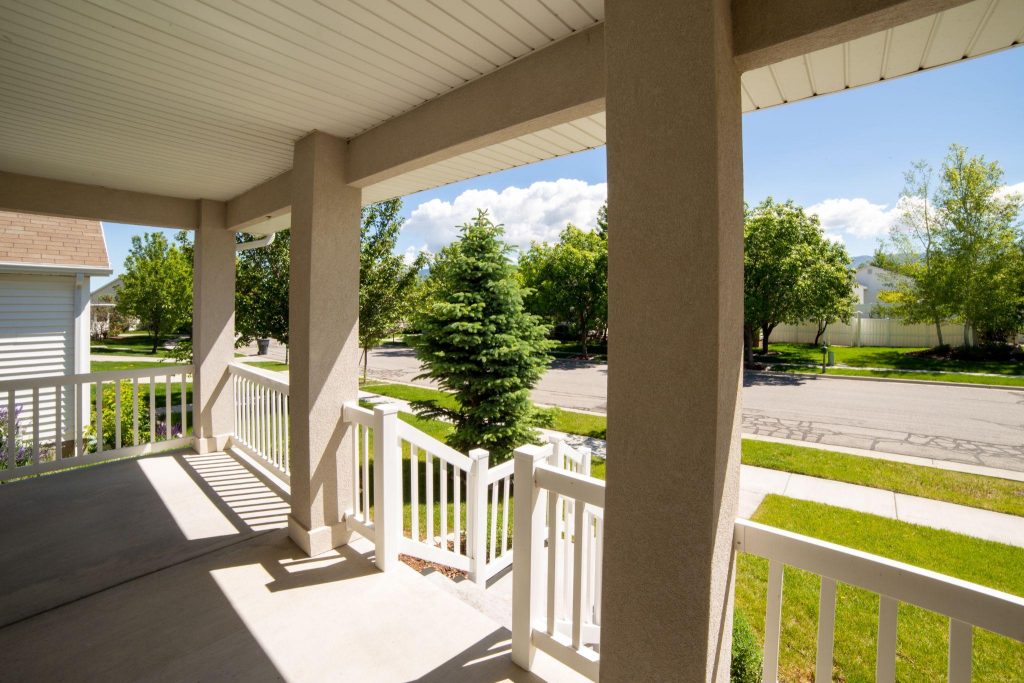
<point x="922" y="636"/>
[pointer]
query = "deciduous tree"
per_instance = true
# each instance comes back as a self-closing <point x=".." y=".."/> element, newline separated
<point x="156" y="287"/>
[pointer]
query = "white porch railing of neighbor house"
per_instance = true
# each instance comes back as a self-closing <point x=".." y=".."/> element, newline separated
<point x="967" y="605"/>
<point x="54" y="423"/>
<point x="261" y="417"/>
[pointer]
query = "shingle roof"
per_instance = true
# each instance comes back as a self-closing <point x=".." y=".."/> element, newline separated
<point x="51" y="240"/>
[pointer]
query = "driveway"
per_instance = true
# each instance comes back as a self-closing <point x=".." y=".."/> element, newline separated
<point x="957" y="423"/>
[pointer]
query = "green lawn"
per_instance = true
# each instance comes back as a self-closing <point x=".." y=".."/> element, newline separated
<point x="105" y="365"/>
<point x="274" y="365"/>
<point x="922" y="636"/>
<point x="1007" y="381"/>
<point x="567" y="421"/>
<point x="892" y="357"/>
<point x="130" y="343"/>
<point x="988" y="493"/>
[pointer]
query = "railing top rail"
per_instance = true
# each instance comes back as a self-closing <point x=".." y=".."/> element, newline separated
<point x="105" y="376"/>
<point x="267" y="378"/>
<point x="500" y="471"/>
<point x="428" y="443"/>
<point x="353" y="412"/>
<point x="570" y="484"/>
<point x="987" y="608"/>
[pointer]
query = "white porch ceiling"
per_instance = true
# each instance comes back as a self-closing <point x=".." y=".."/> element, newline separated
<point x="190" y="98"/>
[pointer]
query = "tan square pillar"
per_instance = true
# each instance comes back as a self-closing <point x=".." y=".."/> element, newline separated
<point x="213" y="328"/>
<point x="676" y="305"/>
<point x="323" y="341"/>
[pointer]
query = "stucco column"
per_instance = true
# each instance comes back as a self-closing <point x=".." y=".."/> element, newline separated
<point x="213" y="328"/>
<point x="323" y="341"/>
<point x="675" y="304"/>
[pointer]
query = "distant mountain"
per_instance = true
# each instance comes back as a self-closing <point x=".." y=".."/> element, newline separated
<point x="858" y="261"/>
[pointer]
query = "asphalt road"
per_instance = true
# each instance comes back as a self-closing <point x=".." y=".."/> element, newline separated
<point x="963" y="424"/>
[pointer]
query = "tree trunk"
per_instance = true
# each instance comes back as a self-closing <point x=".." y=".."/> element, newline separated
<point x="748" y="343"/>
<point x="766" y="331"/>
<point x="967" y="334"/>
<point x="938" y="331"/>
<point x="366" y="360"/>
<point x="583" y="337"/>
<point x="822" y="326"/>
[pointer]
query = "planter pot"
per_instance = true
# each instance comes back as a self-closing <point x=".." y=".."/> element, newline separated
<point x="262" y="347"/>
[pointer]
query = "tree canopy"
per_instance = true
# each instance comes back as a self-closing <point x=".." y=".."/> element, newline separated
<point x="261" y="290"/>
<point x="478" y="341"/>
<point x="156" y="287"/>
<point x="387" y="283"/>
<point x="791" y="272"/>
<point x="959" y="253"/>
<point x="569" y="281"/>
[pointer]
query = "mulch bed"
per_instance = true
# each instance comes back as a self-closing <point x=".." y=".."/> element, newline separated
<point x="422" y="565"/>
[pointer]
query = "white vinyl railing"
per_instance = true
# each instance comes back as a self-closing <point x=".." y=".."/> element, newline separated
<point x="261" y="416"/>
<point x="53" y="423"/>
<point x="558" y="549"/>
<point x="966" y="604"/>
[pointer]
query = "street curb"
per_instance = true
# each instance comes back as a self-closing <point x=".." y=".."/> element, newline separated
<point x="969" y="385"/>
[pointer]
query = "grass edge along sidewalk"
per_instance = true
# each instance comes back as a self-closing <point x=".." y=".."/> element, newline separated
<point x="974" y="490"/>
<point x="922" y="643"/>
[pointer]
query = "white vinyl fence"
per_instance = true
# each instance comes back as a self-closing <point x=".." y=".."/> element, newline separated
<point x="261" y="417"/>
<point x="872" y="332"/>
<point x="53" y="423"/>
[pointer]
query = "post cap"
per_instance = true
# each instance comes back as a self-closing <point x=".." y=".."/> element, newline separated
<point x="479" y="454"/>
<point x="386" y="408"/>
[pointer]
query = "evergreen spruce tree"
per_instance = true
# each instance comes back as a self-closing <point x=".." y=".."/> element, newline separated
<point x="478" y="341"/>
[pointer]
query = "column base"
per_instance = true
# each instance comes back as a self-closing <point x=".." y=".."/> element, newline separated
<point x="319" y="540"/>
<point x="210" y="444"/>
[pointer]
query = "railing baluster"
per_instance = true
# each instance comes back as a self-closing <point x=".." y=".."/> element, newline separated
<point x="414" y="493"/>
<point x="773" y="622"/>
<point x="443" y="467"/>
<point x="35" y="425"/>
<point x="99" y="416"/>
<point x="554" y="522"/>
<point x="366" y="473"/>
<point x="355" y="471"/>
<point x="117" y="414"/>
<point x="78" y="419"/>
<point x="135" y="411"/>
<point x="430" y="497"/>
<point x="504" y="512"/>
<point x="152" y="408"/>
<point x="826" y="629"/>
<point x="167" y="406"/>
<point x="184" y="406"/>
<point x="494" y="520"/>
<point x="961" y="635"/>
<point x="577" y="576"/>
<point x="457" y="508"/>
<point x="58" y="422"/>
<point x="885" y="665"/>
<point x="12" y="462"/>
<point x="287" y="466"/>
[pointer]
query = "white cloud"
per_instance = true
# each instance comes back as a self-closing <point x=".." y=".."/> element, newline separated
<point x="1016" y="188"/>
<point x="857" y="216"/>
<point x="538" y="212"/>
<point x="411" y="252"/>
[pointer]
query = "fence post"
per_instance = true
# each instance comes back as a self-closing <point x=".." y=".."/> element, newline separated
<point x="387" y="485"/>
<point x="476" y="517"/>
<point x="527" y="554"/>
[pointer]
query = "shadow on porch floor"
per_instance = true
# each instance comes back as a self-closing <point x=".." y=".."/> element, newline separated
<point x="175" y="567"/>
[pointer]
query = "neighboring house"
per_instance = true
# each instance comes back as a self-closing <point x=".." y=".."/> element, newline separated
<point x="45" y="266"/>
<point x="871" y="280"/>
<point x="102" y="303"/>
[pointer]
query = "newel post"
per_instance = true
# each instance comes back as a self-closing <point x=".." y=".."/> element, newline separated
<point x="387" y="485"/>
<point x="527" y="553"/>
<point x="476" y="515"/>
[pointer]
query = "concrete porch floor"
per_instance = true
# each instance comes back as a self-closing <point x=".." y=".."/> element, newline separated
<point x="177" y="567"/>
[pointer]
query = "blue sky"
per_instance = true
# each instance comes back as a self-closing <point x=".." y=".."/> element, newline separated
<point x="842" y="155"/>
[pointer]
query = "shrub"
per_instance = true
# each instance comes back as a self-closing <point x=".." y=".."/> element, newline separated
<point x="22" y="451"/>
<point x="746" y="653"/>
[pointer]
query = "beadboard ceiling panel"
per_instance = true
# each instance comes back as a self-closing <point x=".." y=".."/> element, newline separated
<point x="193" y="98"/>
